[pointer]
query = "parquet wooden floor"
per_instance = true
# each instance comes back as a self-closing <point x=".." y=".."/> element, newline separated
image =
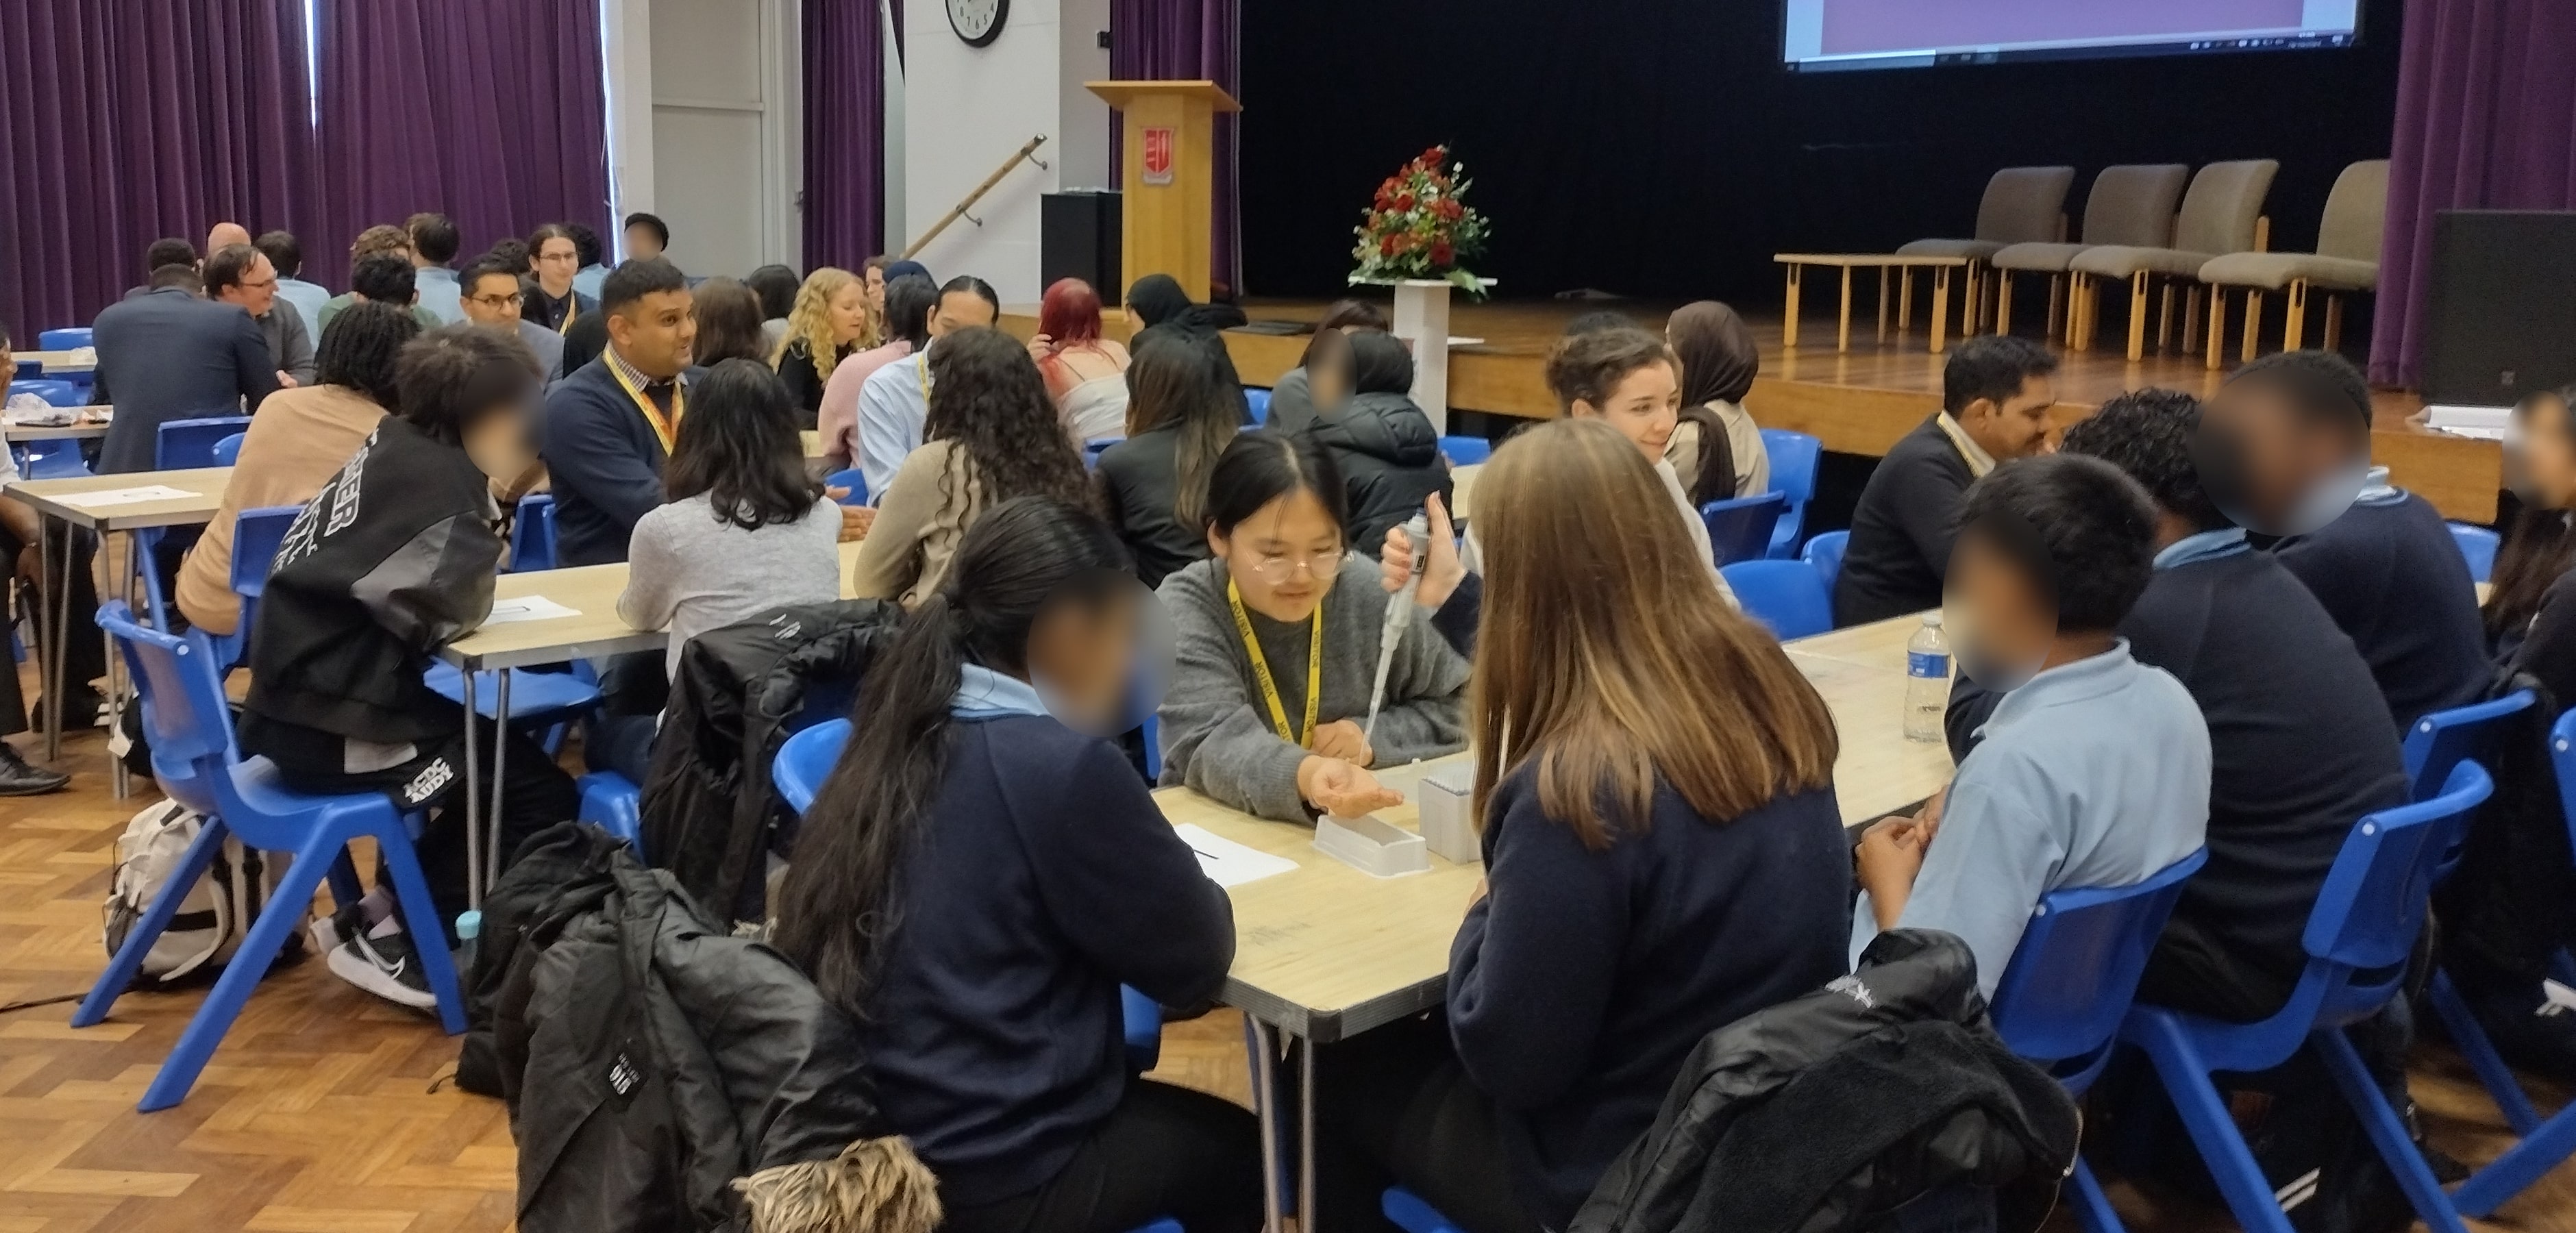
<point x="326" y="1111"/>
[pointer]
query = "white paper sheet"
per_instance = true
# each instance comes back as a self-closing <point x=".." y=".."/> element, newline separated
<point x="527" y="608"/>
<point x="1228" y="863"/>
<point x="125" y="496"/>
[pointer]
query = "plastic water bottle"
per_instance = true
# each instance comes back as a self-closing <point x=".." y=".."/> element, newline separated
<point x="469" y="930"/>
<point x="1927" y="680"/>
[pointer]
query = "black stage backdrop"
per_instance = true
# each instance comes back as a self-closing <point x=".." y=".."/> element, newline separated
<point x="1656" y="148"/>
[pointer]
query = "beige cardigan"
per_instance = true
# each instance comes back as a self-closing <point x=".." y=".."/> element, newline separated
<point x="1743" y="438"/>
<point x="297" y="442"/>
<point x="924" y="514"/>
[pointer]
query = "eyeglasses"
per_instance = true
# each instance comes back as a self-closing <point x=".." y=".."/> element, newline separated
<point x="495" y="302"/>
<point x="261" y="285"/>
<point x="1276" y="568"/>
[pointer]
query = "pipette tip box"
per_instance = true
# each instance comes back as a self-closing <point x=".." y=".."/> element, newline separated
<point x="1371" y="845"/>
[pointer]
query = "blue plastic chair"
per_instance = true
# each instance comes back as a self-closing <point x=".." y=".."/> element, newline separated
<point x="2364" y="924"/>
<point x="69" y="338"/>
<point x="532" y="534"/>
<point x="228" y="450"/>
<point x="187" y="444"/>
<point x="1825" y="552"/>
<point x="1466" y="451"/>
<point x="537" y="699"/>
<point x="1794" y="459"/>
<point x="55" y="393"/>
<point x="1094" y="448"/>
<point x="853" y="479"/>
<point x="2444" y="739"/>
<point x="2543" y="1143"/>
<point x="613" y="803"/>
<point x="1412" y="1214"/>
<point x="1740" y="530"/>
<point x="1259" y="402"/>
<point x="2069" y="983"/>
<point x="59" y="458"/>
<point x="26" y="370"/>
<point x="185" y="715"/>
<point x="2478" y="545"/>
<point x="1788" y="596"/>
<point x="256" y="535"/>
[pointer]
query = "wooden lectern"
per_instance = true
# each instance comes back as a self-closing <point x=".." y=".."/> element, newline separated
<point x="1169" y="179"/>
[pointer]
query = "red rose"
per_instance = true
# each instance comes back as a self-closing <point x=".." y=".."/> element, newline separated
<point x="1433" y="154"/>
<point x="1386" y="247"/>
<point x="1451" y="210"/>
<point x="1441" y="252"/>
<point x="1403" y="202"/>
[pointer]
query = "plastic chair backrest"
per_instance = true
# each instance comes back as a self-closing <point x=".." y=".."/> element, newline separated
<point x="184" y="713"/>
<point x="228" y="450"/>
<point x="69" y="338"/>
<point x="2022" y="205"/>
<point x="853" y="479"/>
<point x="2478" y="547"/>
<point x="1258" y="401"/>
<point x="1788" y="596"/>
<point x="1466" y="451"/>
<point x="532" y="534"/>
<point x="2562" y="759"/>
<point x="2444" y="739"/>
<point x="54" y="393"/>
<point x="1794" y="459"/>
<point x="256" y="535"/>
<point x="2070" y="979"/>
<point x="1094" y="448"/>
<point x="805" y="761"/>
<point x="186" y="444"/>
<point x="1825" y="552"/>
<point x="1740" y="530"/>
<point x="59" y="458"/>
<point x="2372" y="906"/>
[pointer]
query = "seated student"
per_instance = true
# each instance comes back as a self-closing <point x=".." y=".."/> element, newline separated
<point x="1154" y="484"/>
<point x="830" y="322"/>
<point x="2387" y="570"/>
<point x="586" y="249"/>
<point x="776" y="285"/>
<point x="1384" y="446"/>
<point x="894" y="404"/>
<point x="1277" y="641"/>
<point x="910" y="299"/>
<point x="746" y="530"/>
<point x="287" y="254"/>
<point x="1292" y="402"/>
<point x="490" y="297"/>
<point x="2094" y="769"/>
<point x="2301" y="742"/>
<point x="1630" y="380"/>
<point x="992" y="437"/>
<point x="551" y="301"/>
<point x="979" y="875"/>
<point x="378" y="280"/>
<point x="1716" y="448"/>
<point x="1662" y="846"/>
<point x="393" y="559"/>
<point x="298" y="441"/>
<point x="1085" y="373"/>
<point x="2506" y="912"/>
<point x="1995" y="396"/>
<point x="1156" y="304"/>
<point x="728" y="316"/>
<point x="609" y="423"/>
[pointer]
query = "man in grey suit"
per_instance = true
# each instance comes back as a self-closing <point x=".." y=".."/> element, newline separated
<point x="164" y="354"/>
<point x="241" y="275"/>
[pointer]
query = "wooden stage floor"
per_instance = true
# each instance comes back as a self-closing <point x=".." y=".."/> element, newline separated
<point x="1857" y="402"/>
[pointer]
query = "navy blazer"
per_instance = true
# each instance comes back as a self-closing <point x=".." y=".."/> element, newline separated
<point x="167" y="355"/>
<point x="604" y="461"/>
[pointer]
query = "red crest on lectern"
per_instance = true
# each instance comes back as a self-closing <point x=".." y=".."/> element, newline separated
<point x="1158" y="155"/>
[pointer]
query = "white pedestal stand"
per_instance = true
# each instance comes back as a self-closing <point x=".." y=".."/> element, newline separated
<point x="1422" y="319"/>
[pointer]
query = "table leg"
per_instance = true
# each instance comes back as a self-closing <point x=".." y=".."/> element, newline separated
<point x="1882" y="306"/>
<point x="473" y="806"/>
<point x="1843" y="342"/>
<point x="1306" y="1131"/>
<point x="117" y="782"/>
<point x="1265" y="1096"/>
<point x="500" y="774"/>
<point x="50" y="596"/>
<point x="1940" y="307"/>
<point x="1789" y="323"/>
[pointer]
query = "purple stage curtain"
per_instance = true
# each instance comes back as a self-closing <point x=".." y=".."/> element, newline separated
<point x="489" y="111"/>
<point x="844" y="132"/>
<point x="2486" y="118"/>
<point x="122" y="121"/>
<point x="1188" y="40"/>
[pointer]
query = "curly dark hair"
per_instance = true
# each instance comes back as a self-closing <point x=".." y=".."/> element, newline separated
<point x="2148" y="434"/>
<point x="986" y="395"/>
<point x="359" y="348"/>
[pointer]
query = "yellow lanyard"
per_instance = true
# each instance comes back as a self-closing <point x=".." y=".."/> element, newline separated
<point x="1261" y="669"/>
<point x="661" y="428"/>
<point x="572" y="309"/>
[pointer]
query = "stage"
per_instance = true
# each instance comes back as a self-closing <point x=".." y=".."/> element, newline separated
<point x="1857" y="402"/>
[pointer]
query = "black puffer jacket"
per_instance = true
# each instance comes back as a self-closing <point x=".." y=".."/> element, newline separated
<point x="1826" y="1113"/>
<point x="1389" y="455"/>
<point x="663" y="1075"/>
<point x="707" y="810"/>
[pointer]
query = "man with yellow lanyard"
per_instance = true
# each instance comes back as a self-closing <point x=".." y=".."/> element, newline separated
<point x="609" y="424"/>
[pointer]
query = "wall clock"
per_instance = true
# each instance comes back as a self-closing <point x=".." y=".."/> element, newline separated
<point x="978" y="22"/>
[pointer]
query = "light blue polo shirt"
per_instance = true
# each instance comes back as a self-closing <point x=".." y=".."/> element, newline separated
<point x="436" y="289"/>
<point x="2095" y="773"/>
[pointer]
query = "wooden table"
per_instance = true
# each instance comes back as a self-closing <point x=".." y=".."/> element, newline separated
<point x="1325" y="952"/>
<point x="82" y="360"/>
<point x="60" y="500"/>
<point x="76" y="431"/>
<point x="1884" y="262"/>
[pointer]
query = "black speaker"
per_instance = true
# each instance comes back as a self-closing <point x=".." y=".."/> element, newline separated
<point x="2502" y="307"/>
<point x="1078" y="237"/>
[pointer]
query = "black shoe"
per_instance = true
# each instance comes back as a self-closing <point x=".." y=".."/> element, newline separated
<point x="19" y="779"/>
<point x="2528" y="1026"/>
<point x="82" y="708"/>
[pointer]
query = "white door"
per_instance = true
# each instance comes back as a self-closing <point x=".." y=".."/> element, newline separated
<point x="726" y="164"/>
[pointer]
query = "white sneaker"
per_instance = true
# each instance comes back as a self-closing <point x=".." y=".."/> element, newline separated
<point x="384" y="966"/>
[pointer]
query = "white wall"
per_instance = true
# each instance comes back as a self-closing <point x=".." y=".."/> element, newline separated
<point x="968" y="108"/>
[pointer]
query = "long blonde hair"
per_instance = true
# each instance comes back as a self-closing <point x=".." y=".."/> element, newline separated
<point x="1606" y="652"/>
<point x="810" y="321"/>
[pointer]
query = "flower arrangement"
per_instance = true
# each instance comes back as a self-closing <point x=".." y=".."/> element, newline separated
<point x="1419" y="226"/>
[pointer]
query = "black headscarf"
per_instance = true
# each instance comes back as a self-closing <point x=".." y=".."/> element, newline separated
<point x="1159" y="301"/>
<point x="1380" y="364"/>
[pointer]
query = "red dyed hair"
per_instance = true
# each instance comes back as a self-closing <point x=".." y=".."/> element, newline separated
<point x="1070" y="313"/>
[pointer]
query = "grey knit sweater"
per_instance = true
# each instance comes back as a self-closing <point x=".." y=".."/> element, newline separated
<point x="1217" y="735"/>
